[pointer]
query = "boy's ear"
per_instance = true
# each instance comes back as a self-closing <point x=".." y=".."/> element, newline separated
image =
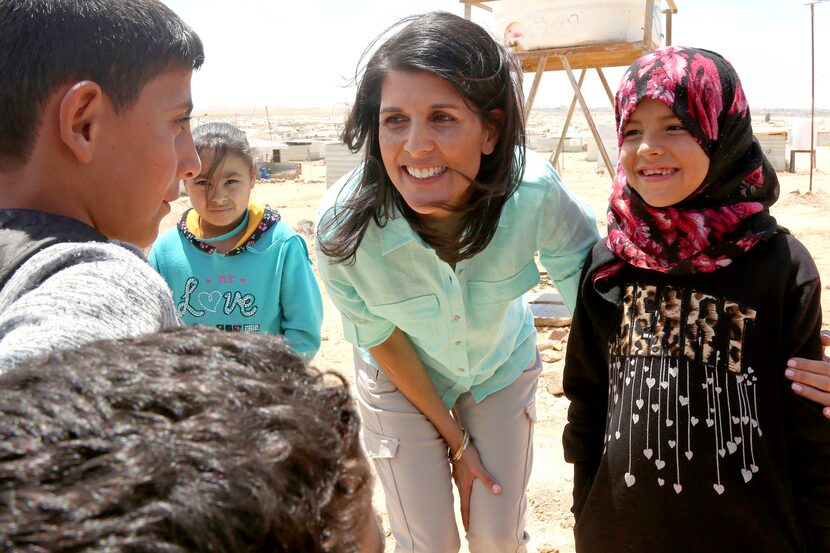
<point x="80" y="114"/>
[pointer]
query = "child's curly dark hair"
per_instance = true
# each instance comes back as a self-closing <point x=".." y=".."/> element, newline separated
<point x="190" y="439"/>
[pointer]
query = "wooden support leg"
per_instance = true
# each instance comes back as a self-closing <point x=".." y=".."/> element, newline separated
<point x="554" y="158"/>
<point x="605" y="84"/>
<point x="535" y="87"/>
<point x="587" y="112"/>
<point x="648" y="26"/>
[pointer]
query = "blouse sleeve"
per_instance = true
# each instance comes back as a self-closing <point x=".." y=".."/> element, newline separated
<point x="361" y="327"/>
<point x="567" y="232"/>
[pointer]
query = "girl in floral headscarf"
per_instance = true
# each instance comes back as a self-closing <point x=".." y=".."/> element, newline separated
<point x="682" y="429"/>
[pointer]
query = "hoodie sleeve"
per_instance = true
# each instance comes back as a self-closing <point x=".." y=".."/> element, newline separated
<point x="300" y="300"/>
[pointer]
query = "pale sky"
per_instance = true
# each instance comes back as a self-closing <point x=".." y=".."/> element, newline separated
<point x="302" y="53"/>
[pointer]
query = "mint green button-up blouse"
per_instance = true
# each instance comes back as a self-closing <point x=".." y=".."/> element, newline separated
<point x="471" y="326"/>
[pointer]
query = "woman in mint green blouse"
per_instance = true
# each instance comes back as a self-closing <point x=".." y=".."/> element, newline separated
<point x="427" y="250"/>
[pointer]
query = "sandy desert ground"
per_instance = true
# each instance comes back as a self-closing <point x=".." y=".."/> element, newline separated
<point x="549" y="521"/>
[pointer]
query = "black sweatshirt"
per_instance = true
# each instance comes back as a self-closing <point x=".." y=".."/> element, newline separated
<point x="684" y="434"/>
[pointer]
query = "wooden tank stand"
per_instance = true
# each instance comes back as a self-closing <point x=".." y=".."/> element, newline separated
<point x="596" y="56"/>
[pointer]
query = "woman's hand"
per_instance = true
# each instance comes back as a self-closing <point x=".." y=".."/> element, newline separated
<point x="467" y="470"/>
<point x="811" y="379"/>
<point x="402" y="365"/>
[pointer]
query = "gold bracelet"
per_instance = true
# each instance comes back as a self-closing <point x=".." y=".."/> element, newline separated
<point x="465" y="441"/>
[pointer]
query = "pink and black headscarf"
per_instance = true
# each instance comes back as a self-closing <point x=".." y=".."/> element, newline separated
<point x="729" y="213"/>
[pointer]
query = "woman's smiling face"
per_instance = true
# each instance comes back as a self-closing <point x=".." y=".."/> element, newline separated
<point x="431" y="142"/>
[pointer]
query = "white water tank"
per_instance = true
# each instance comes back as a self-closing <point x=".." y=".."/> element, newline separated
<point x="541" y="24"/>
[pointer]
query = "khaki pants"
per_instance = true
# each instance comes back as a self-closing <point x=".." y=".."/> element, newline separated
<point x="411" y="461"/>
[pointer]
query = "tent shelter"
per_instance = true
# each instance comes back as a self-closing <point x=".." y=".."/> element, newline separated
<point x="267" y="151"/>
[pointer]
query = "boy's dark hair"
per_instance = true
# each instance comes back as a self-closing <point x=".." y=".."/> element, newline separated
<point x="221" y="139"/>
<point x="119" y="44"/>
<point x="488" y="78"/>
<point x="191" y="439"/>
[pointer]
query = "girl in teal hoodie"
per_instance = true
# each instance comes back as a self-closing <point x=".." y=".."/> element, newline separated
<point x="231" y="262"/>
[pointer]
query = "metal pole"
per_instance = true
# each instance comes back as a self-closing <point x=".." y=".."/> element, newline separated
<point x="268" y="118"/>
<point x="813" y="83"/>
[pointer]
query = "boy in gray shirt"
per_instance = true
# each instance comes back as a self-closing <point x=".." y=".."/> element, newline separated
<point x="94" y="137"/>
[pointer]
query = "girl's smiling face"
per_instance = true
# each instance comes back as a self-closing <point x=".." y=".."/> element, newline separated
<point x="221" y="201"/>
<point x="431" y="142"/>
<point x="662" y="161"/>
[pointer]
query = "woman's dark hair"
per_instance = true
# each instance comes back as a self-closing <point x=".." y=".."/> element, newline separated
<point x="488" y="78"/>
<point x="221" y="139"/>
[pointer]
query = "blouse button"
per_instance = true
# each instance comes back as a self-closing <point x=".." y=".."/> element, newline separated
<point x="457" y="318"/>
<point x="458" y="342"/>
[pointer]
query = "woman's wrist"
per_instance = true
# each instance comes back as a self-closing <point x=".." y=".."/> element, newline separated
<point x="449" y="427"/>
<point x="455" y="456"/>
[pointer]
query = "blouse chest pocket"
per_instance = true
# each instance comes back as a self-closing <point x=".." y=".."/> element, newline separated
<point x="418" y="317"/>
<point x="506" y="290"/>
